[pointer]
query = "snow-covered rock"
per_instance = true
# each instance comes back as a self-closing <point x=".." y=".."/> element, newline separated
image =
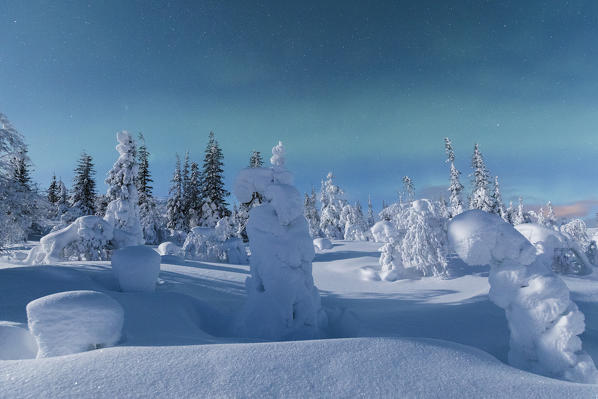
<point x="283" y="302"/>
<point x="545" y="324"/>
<point x="16" y="342"/>
<point x="74" y="321"/>
<point x="87" y="238"/>
<point x="322" y="243"/>
<point x="136" y="268"/>
<point x="169" y="248"/>
<point x="208" y="244"/>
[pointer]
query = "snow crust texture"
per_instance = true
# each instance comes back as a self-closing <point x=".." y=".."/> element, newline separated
<point x="283" y="302"/>
<point x="544" y="323"/>
<point x="136" y="268"/>
<point x="74" y="321"/>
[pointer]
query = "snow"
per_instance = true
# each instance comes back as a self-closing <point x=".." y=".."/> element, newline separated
<point x="544" y="323"/>
<point x="322" y="244"/>
<point x="211" y="244"/>
<point x="382" y="231"/>
<point x="16" y="342"/>
<point x="136" y="268"/>
<point x="170" y="248"/>
<point x="74" y="321"/>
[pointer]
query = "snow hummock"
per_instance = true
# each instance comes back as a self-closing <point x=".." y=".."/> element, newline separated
<point x="169" y="248"/>
<point x="322" y="243"/>
<point x="16" y="342"/>
<point x="86" y="238"/>
<point x="283" y="302"/>
<point x="74" y="321"/>
<point x="136" y="268"/>
<point x="544" y="323"/>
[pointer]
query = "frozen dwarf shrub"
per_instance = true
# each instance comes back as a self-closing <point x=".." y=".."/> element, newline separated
<point x="282" y="300"/>
<point x="543" y="321"/>
<point x="74" y="321"/>
<point x="136" y="268"/>
<point x="87" y="238"/>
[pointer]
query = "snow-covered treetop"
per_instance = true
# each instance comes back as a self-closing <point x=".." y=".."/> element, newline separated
<point x="277" y="159"/>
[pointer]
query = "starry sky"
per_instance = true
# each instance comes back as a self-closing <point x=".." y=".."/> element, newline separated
<point x="367" y="91"/>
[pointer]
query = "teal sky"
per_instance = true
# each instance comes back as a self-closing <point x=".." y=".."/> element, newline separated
<point x="365" y="90"/>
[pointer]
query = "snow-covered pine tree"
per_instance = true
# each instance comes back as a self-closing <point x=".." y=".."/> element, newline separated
<point x="148" y="215"/>
<point x="371" y="220"/>
<point x="355" y="224"/>
<point x="101" y="204"/>
<point x="480" y="199"/>
<point x="83" y="194"/>
<point x="186" y="183"/>
<point x="23" y="201"/>
<point x="510" y="212"/>
<point x="193" y="196"/>
<point x="174" y="207"/>
<point x="519" y="216"/>
<point x="122" y="211"/>
<point x="408" y="189"/>
<point x="256" y="160"/>
<point x="52" y="193"/>
<point x="311" y="214"/>
<point x="63" y="194"/>
<point x="497" y="205"/>
<point x="551" y="220"/>
<point x="331" y="198"/>
<point x="455" y="186"/>
<point x="212" y="188"/>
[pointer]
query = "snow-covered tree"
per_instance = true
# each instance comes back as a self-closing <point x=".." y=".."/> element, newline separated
<point x="192" y="197"/>
<point x="331" y="198"/>
<point x="311" y="214"/>
<point x="519" y="216"/>
<point x="497" y="205"/>
<point x="150" y="221"/>
<point x="282" y="300"/>
<point x="52" y="192"/>
<point x="455" y="186"/>
<point x="371" y="219"/>
<point x="550" y="218"/>
<point x="174" y="209"/>
<point x="123" y="200"/>
<point x="212" y="187"/>
<point x="101" y="204"/>
<point x="356" y="228"/>
<point x="83" y="193"/>
<point x="480" y="199"/>
<point x="256" y="160"/>
<point x="185" y="173"/>
<point x="408" y="189"/>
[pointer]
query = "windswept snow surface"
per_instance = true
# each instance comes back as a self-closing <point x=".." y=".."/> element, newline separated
<point x="164" y="351"/>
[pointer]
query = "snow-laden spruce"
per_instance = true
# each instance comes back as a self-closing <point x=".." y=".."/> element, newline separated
<point x="544" y="323"/>
<point x="331" y="198"/>
<point x="455" y="186"/>
<point x="123" y="209"/>
<point x="74" y="321"/>
<point x="416" y="245"/>
<point x="282" y="300"/>
<point x="215" y="244"/>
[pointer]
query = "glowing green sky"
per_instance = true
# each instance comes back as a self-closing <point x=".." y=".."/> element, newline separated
<point x="365" y="90"/>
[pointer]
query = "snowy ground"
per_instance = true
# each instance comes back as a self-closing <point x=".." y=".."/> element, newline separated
<point x="443" y="338"/>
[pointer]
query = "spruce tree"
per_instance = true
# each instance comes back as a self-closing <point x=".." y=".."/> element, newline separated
<point x="53" y="191"/>
<point x="371" y="220"/>
<point x="147" y="205"/>
<point x="497" y="205"/>
<point x="174" y="206"/>
<point x="480" y="199"/>
<point x="186" y="183"/>
<point x="311" y="214"/>
<point x="408" y="188"/>
<point x="213" y="194"/>
<point x="84" y="186"/>
<point x="256" y="160"/>
<point x="331" y="198"/>
<point x="455" y="186"/>
<point x="193" y="196"/>
<point x="519" y="216"/>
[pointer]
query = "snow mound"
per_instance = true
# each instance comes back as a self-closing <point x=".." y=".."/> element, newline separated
<point x="543" y="321"/>
<point x="16" y="342"/>
<point x="74" y="321"/>
<point x="207" y="244"/>
<point x="169" y="248"/>
<point x="322" y="243"/>
<point x="136" y="268"/>
<point x="86" y="238"/>
<point x="340" y="368"/>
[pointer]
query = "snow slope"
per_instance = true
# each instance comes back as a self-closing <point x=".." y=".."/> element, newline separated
<point x="164" y="352"/>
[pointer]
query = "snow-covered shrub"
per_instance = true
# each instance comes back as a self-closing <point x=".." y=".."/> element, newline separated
<point x="382" y="231"/>
<point x="214" y="244"/>
<point x="282" y="302"/>
<point x="562" y="252"/>
<point x="322" y="243"/>
<point x="420" y="247"/>
<point x="87" y="238"/>
<point x="544" y="323"/>
<point x="136" y="268"/>
<point x="74" y="321"/>
<point x="123" y="210"/>
<point x="16" y="342"/>
<point x="169" y="248"/>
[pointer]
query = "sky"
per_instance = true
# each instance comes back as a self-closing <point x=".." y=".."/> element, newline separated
<point x="367" y="91"/>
